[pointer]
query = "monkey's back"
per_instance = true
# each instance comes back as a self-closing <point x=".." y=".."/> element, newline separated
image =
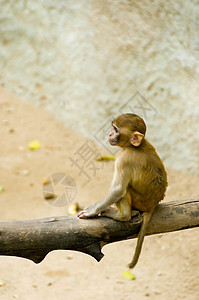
<point x="149" y="179"/>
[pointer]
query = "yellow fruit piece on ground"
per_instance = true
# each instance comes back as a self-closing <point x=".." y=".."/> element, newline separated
<point x="105" y="158"/>
<point x="33" y="145"/>
<point x="128" y="275"/>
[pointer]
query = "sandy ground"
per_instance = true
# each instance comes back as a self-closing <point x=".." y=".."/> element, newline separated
<point x="169" y="264"/>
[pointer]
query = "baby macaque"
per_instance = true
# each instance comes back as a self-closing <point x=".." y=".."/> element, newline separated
<point x="139" y="181"/>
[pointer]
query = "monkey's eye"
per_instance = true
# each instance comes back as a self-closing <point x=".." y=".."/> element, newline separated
<point x="116" y="129"/>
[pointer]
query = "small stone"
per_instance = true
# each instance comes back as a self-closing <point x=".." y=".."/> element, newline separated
<point x="119" y="282"/>
<point x="25" y="172"/>
<point x="48" y="195"/>
<point x="10" y="109"/>
<point x="69" y="257"/>
<point x="21" y="148"/>
<point x="2" y="283"/>
<point x="5" y="122"/>
<point x="157" y="292"/>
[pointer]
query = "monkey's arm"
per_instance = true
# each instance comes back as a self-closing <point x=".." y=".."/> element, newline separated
<point x="114" y="195"/>
<point x="117" y="191"/>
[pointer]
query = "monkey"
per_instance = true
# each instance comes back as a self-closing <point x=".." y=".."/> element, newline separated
<point x="139" y="181"/>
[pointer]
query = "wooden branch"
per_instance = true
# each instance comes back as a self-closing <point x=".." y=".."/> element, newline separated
<point x="34" y="239"/>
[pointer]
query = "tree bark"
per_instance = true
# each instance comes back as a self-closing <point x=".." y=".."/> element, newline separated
<point x="34" y="239"/>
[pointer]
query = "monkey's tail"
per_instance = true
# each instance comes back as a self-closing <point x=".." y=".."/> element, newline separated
<point x="146" y="219"/>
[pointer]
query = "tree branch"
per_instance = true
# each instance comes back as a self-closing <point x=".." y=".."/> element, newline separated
<point x="34" y="239"/>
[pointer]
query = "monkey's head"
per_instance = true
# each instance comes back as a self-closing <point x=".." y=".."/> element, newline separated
<point x="128" y="129"/>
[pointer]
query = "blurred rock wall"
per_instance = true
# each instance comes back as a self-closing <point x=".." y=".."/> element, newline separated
<point x="87" y="61"/>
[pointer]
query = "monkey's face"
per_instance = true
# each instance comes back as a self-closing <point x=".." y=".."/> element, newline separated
<point x="120" y="136"/>
<point x="114" y="136"/>
<point x="128" y="130"/>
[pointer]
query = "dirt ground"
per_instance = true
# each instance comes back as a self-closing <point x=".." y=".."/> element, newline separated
<point x="169" y="263"/>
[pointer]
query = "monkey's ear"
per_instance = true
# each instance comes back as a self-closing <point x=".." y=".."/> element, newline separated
<point x="136" y="138"/>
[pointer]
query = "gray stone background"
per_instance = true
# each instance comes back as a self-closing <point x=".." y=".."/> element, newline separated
<point x="85" y="61"/>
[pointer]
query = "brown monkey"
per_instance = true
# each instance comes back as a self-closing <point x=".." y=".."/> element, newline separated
<point x="139" y="181"/>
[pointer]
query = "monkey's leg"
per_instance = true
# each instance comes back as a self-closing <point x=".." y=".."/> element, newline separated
<point x="121" y="211"/>
<point x="111" y="212"/>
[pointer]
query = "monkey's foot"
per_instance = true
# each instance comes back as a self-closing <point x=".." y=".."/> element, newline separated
<point x="109" y="212"/>
<point x="113" y="213"/>
<point x="84" y="214"/>
<point x="91" y="211"/>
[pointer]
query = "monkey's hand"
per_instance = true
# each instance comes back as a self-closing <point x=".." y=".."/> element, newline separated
<point x="91" y="211"/>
